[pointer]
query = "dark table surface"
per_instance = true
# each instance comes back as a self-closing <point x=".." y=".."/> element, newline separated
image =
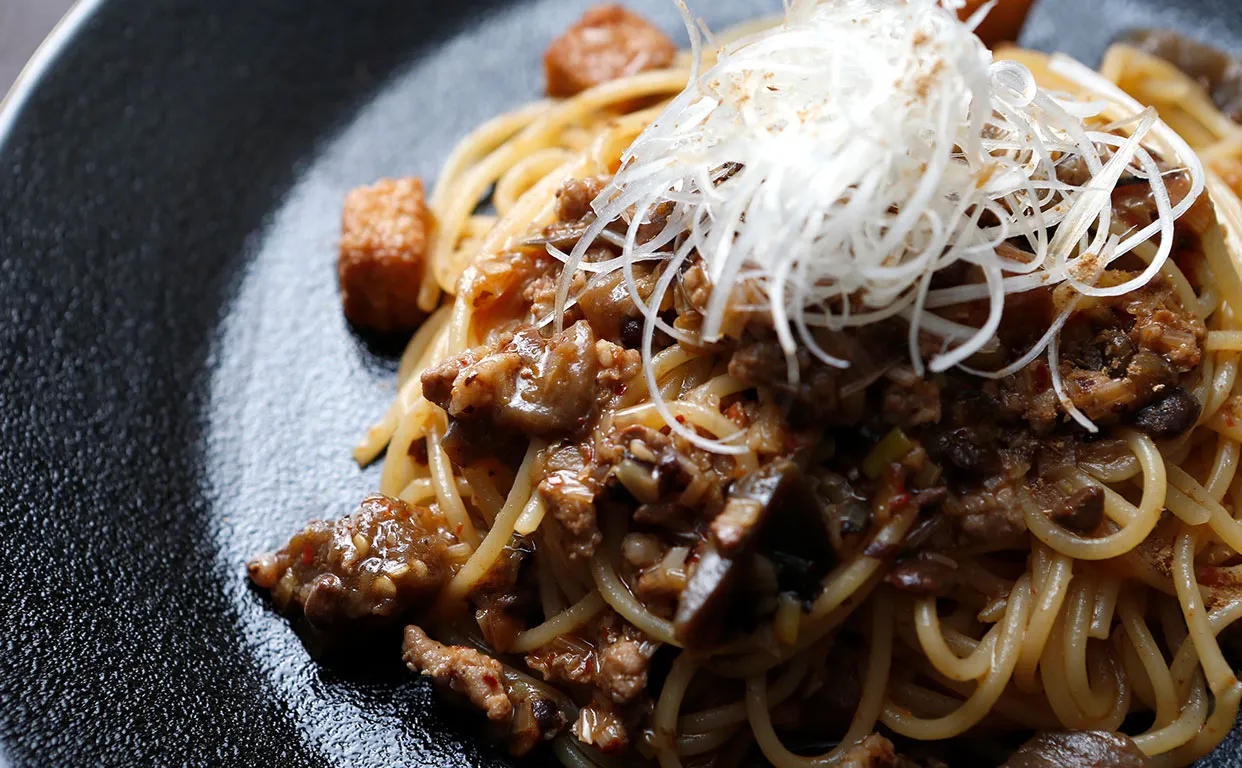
<point x="23" y="25"/>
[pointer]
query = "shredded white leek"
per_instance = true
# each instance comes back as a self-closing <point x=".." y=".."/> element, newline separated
<point x="834" y="163"/>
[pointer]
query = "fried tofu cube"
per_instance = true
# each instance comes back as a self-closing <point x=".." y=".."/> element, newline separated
<point x="608" y="42"/>
<point x="1003" y="23"/>
<point x="385" y="235"/>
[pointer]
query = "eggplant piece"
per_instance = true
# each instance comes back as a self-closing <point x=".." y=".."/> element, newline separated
<point x="926" y="574"/>
<point x="1170" y="416"/>
<point x="1089" y="749"/>
<point x="706" y="601"/>
<point x="771" y="513"/>
<point x="776" y="496"/>
<point x="751" y="500"/>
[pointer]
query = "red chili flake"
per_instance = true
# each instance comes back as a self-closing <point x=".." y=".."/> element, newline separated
<point x="899" y="500"/>
<point x="681" y="419"/>
<point x="736" y="413"/>
<point x="1229" y="421"/>
<point x="308" y="556"/>
<point x="622" y="389"/>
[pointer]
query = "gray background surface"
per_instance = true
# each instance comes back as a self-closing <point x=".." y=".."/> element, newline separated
<point x="23" y="25"/>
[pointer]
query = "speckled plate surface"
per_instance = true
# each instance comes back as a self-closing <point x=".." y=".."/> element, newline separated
<point x="177" y="387"/>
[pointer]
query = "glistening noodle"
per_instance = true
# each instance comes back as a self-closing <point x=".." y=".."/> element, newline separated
<point x="838" y="388"/>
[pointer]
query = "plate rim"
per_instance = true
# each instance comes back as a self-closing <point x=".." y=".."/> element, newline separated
<point x="70" y="30"/>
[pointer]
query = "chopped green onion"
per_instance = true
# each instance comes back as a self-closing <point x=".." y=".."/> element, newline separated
<point x="892" y="449"/>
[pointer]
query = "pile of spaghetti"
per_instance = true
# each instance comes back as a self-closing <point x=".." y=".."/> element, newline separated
<point x="840" y="386"/>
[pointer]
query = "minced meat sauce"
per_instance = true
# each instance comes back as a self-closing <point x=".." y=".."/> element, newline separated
<point x="706" y="545"/>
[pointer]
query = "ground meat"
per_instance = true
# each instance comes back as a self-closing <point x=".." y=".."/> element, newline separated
<point x="538" y="387"/>
<point x="571" y="481"/>
<point x="522" y="716"/>
<point x="465" y="671"/>
<point x="1120" y="353"/>
<point x="540" y="294"/>
<point x="1028" y="395"/>
<point x="574" y="198"/>
<point x="574" y="215"/>
<point x="822" y="394"/>
<point x="623" y="667"/>
<point x="567" y="659"/>
<point x="911" y="400"/>
<point x="966" y="448"/>
<point x="603" y="727"/>
<point x="618" y="368"/>
<point x="384" y="234"/>
<point x="983" y="519"/>
<point x="608" y="42"/>
<point x="875" y="751"/>
<point x="379" y="563"/>
<point x="1122" y="359"/>
<point x="609" y="655"/>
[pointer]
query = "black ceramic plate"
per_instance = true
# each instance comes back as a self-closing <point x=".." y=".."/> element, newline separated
<point x="177" y="387"/>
